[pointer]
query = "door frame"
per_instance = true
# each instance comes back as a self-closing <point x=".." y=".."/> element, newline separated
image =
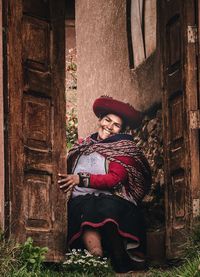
<point x="2" y="164"/>
<point x="192" y="90"/>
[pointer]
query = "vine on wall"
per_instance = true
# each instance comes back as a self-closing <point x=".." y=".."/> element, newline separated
<point x="71" y="98"/>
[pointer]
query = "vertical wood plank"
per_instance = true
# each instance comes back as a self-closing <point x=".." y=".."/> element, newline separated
<point x="192" y="91"/>
<point x="175" y="124"/>
<point x="2" y="193"/>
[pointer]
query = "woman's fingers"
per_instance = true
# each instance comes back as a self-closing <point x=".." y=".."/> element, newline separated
<point x="68" y="181"/>
<point x="65" y="183"/>
<point x="69" y="188"/>
<point x="64" y="179"/>
<point x="62" y="175"/>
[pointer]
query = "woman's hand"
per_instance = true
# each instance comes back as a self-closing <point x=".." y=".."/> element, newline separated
<point x="68" y="181"/>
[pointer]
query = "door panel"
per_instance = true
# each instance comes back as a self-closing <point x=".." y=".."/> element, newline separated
<point x="179" y="70"/>
<point x="36" y="75"/>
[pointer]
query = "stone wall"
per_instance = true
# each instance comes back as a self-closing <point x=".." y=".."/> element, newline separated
<point x="149" y="138"/>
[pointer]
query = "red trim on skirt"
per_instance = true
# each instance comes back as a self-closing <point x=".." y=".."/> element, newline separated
<point x="96" y="225"/>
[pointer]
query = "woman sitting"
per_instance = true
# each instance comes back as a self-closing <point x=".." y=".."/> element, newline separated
<point x="108" y="176"/>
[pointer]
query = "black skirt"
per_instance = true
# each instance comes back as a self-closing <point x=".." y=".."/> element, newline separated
<point x="96" y="211"/>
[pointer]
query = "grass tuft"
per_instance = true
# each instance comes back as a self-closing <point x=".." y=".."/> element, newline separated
<point x="27" y="260"/>
<point x="190" y="263"/>
<point x="9" y="255"/>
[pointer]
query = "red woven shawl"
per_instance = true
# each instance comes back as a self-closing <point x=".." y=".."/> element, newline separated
<point x="139" y="174"/>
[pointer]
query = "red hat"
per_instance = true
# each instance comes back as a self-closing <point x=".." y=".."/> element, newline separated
<point x="106" y="105"/>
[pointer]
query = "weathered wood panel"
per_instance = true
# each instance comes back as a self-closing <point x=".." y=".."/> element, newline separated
<point x="193" y="70"/>
<point x="2" y="164"/>
<point x="37" y="116"/>
<point x="36" y="75"/>
<point x="175" y="126"/>
<point x="180" y="143"/>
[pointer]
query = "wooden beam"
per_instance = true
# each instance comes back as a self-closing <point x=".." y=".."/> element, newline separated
<point x="2" y="200"/>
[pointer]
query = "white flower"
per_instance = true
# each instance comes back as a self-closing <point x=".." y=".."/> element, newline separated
<point x="86" y="251"/>
<point x="68" y="254"/>
<point x="87" y="263"/>
<point x="85" y="260"/>
<point x="68" y="262"/>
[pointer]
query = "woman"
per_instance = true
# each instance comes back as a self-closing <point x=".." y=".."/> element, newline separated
<point x="108" y="176"/>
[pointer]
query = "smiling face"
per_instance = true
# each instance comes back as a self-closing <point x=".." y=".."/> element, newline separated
<point x="109" y="125"/>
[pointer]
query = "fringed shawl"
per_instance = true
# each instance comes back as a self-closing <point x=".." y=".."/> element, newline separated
<point x="120" y="145"/>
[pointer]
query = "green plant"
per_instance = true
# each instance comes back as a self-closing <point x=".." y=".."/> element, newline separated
<point x="18" y="260"/>
<point x="32" y="256"/>
<point x="9" y="253"/>
<point x="82" y="261"/>
<point x="190" y="268"/>
<point x="71" y="69"/>
<point x="71" y="127"/>
<point x="71" y="98"/>
<point x="192" y="246"/>
<point x="190" y="263"/>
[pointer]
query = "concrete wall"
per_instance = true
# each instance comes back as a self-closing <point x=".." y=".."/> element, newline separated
<point x="1" y="130"/>
<point x="103" y="61"/>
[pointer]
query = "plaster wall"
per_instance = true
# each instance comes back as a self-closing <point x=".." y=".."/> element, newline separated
<point x="70" y="34"/>
<point x="103" y="61"/>
<point x="1" y="130"/>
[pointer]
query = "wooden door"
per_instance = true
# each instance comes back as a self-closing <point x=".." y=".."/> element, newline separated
<point x="181" y="145"/>
<point x="34" y="48"/>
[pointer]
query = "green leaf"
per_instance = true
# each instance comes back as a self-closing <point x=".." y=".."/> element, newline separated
<point x="32" y="261"/>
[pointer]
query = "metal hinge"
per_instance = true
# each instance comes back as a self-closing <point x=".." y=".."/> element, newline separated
<point x="195" y="119"/>
<point x="192" y="34"/>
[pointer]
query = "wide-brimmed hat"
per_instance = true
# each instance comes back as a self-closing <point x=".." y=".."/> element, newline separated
<point x="107" y="105"/>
